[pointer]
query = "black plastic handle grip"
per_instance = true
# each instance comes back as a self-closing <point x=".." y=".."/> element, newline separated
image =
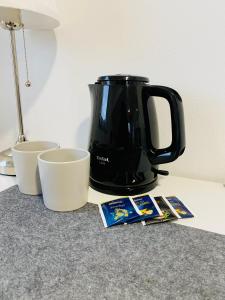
<point x="177" y="147"/>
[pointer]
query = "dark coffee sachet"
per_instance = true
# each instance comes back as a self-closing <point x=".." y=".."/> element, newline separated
<point x="168" y="213"/>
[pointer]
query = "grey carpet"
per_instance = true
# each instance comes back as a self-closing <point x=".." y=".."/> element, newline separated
<point x="47" y="255"/>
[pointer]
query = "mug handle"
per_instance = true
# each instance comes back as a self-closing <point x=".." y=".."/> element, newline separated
<point x="177" y="146"/>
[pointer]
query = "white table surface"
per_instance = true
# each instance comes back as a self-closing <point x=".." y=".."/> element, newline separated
<point x="205" y="199"/>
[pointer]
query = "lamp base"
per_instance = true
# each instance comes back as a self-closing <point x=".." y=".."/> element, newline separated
<point x="6" y="163"/>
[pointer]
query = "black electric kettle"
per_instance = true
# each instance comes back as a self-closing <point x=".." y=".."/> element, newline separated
<point x="124" y="136"/>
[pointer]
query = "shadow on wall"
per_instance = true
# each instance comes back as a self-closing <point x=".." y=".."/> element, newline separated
<point x="41" y="51"/>
<point x="83" y="134"/>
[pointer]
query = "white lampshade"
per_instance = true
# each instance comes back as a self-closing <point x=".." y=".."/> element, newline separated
<point x="34" y="14"/>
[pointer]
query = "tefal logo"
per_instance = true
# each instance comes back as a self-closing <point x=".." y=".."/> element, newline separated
<point x="103" y="159"/>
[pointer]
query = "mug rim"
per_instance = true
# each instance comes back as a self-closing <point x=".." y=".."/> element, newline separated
<point x="63" y="162"/>
<point x="56" y="146"/>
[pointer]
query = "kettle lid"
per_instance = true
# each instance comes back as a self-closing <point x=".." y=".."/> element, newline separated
<point x="122" y="77"/>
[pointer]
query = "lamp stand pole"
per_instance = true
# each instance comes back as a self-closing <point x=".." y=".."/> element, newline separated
<point x="6" y="161"/>
<point x="21" y="137"/>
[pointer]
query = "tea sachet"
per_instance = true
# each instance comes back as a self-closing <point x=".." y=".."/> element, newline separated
<point x="168" y="213"/>
<point x="182" y="211"/>
<point x="147" y="207"/>
<point x="118" y="211"/>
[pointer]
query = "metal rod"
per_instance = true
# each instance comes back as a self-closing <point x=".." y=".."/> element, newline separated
<point x="21" y="137"/>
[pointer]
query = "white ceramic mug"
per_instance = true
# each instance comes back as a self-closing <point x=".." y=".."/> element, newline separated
<point x="26" y="166"/>
<point x="64" y="175"/>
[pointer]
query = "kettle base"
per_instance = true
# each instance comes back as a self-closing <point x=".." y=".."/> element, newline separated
<point x="122" y="190"/>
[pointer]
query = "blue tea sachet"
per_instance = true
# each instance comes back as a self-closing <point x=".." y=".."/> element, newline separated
<point x="180" y="208"/>
<point x="118" y="211"/>
<point x="148" y="208"/>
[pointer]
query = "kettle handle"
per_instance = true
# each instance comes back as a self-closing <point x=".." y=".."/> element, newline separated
<point x="177" y="147"/>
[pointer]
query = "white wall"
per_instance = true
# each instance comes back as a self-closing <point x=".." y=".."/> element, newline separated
<point x="176" y="43"/>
